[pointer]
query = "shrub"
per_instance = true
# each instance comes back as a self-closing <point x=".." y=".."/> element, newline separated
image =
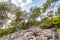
<point x="1" y="32"/>
<point x="46" y="26"/>
<point x="22" y="26"/>
<point x="10" y="30"/>
<point x="56" y="21"/>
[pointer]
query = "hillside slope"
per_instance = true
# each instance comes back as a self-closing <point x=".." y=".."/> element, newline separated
<point x="34" y="33"/>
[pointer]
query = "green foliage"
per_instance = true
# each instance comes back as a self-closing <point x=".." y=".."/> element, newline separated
<point x="56" y="21"/>
<point x="52" y="1"/>
<point x="24" y="27"/>
<point x="46" y="23"/>
<point x="7" y="31"/>
<point x="47" y="4"/>
<point x="1" y="32"/>
<point x="59" y="9"/>
<point x="46" y="26"/>
<point x="10" y="30"/>
<point x="4" y="6"/>
<point x="43" y="26"/>
<point x="35" y="12"/>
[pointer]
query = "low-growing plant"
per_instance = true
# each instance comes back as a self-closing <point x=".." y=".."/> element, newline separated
<point x="1" y="32"/>
<point x="10" y="30"/>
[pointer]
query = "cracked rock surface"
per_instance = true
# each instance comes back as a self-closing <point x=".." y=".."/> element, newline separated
<point x="34" y="33"/>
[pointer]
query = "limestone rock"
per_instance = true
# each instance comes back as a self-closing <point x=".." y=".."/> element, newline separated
<point x="34" y="33"/>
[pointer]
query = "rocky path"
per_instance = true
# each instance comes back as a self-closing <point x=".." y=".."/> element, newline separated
<point x="34" y="33"/>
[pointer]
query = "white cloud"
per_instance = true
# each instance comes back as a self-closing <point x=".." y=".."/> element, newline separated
<point x="20" y="2"/>
<point x="15" y="2"/>
<point x="27" y="2"/>
<point x="3" y="0"/>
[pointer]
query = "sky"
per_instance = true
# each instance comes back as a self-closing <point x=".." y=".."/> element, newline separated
<point x="33" y="4"/>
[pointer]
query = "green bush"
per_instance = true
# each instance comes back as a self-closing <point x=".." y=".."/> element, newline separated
<point x="22" y="26"/>
<point x="46" y="26"/>
<point x="10" y="30"/>
<point x="1" y="32"/>
<point x="56" y="21"/>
